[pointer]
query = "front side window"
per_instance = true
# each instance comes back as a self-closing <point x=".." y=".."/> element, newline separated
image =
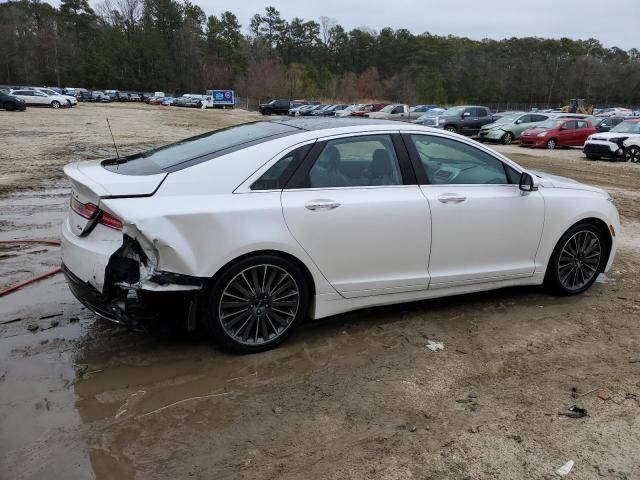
<point x="356" y="162"/>
<point x="449" y="162"/>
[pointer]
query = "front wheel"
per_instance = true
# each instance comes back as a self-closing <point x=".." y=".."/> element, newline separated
<point x="451" y="128"/>
<point x="577" y="260"/>
<point x="256" y="304"/>
<point x="552" y="144"/>
<point x="507" y="139"/>
<point x="632" y="154"/>
<point x="55" y="104"/>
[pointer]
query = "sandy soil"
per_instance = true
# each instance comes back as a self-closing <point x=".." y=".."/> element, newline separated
<point x="353" y="397"/>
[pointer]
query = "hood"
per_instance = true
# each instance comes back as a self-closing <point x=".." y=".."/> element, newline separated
<point x="491" y="126"/>
<point x="609" y="135"/>
<point x="535" y="131"/>
<point x="555" y="181"/>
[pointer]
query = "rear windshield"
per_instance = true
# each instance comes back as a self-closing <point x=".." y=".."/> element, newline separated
<point x="201" y="148"/>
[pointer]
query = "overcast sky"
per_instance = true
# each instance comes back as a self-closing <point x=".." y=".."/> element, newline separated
<point x="614" y="22"/>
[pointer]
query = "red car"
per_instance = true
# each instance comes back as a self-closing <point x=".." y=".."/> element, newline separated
<point x="558" y="132"/>
<point x="362" y="111"/>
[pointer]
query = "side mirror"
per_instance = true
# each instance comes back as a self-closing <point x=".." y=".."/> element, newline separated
<point x="528" y="183"/>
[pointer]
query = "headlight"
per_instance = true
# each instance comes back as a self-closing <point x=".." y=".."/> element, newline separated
<point x="542" y="134"/>
<point x="589" y="137"/>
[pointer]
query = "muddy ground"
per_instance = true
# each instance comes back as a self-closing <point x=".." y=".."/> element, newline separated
<point x="357" y="396"/>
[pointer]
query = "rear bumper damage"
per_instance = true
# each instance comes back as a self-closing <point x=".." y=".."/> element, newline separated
<point x="119" y="281"/>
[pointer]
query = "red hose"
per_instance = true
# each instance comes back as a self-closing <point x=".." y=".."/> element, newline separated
<point x="19" y="285"/>
<point x="45" y="242"/>
<point x="37" y="278"/>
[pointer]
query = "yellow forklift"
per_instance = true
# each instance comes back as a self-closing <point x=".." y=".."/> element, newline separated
<point x="576" y="105"/>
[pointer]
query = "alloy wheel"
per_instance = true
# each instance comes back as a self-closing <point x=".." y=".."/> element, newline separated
<point x="551" y="144"/>
<point x="632" y="154"/>
<point x="55" y="104"/>
<point x="259" y="304"/>
<point x="579" y="260"/>
<point x="508" y="138"/>
<point x="451" y="129"/>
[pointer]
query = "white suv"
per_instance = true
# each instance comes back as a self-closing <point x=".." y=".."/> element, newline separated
<point x="37" y="98"/>
<point x="622" y="143"/>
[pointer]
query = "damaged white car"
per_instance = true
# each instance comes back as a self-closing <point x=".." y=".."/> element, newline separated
<point x="249" y="229"/>
<point x="621" y="143"/>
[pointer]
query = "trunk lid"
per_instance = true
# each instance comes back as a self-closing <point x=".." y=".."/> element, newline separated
<point x="90" y="183"/>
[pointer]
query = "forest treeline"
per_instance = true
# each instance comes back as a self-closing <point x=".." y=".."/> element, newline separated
<point x="172" y="45"/>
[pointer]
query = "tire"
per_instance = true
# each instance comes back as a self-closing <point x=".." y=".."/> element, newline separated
<point x="240" y="310"/>
<point x="592" y="157"/>
<point x="9" y="107"/>
<point x="552" y="144"/>
<point x="632" y="154"/>
<point x="574" y="266"/>
<point x="267" y="112"/>
<point x="507" y="138"/>
<point x="451" y="128"/>
<point x="55" y="104"/>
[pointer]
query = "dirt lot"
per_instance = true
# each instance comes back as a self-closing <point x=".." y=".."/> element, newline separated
<point x="353" y="397"/>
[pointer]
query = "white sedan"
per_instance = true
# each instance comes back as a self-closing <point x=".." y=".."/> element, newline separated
<point x="249" y="229"/>
<point x="36" y="98"/>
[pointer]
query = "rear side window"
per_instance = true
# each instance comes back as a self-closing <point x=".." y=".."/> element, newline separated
<point x="194" y="150"/>
<point x="280" y="172"/>
<point x="582" y="124"/>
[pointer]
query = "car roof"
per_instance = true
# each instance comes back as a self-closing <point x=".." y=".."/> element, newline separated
<point x="325" y="123"/>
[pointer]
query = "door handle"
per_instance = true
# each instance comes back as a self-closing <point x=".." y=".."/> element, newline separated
<point x="314" y="205"/>
<point x="451" y="198"/>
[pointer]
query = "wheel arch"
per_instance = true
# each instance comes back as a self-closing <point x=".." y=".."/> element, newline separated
<point x="278" y="253"/>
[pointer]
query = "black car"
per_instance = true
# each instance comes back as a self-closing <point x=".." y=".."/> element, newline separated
<point x="604" y="124"/>
<point x="278" y="107"/>
<point x="467" y="119"/>
<point x="84" y="96"/>
<point x="11" y="103"/>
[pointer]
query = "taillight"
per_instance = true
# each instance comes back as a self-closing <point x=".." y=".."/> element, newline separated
<point x="110" y="221"/>
<point x="85" y="210"/>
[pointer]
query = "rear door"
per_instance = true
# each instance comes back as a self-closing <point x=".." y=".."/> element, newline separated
<point x="355" y="208"/>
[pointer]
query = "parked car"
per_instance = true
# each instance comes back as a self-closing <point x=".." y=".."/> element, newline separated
<point x="71" y="100"/>
<point x="331" y="111"/>
<point x="192" y="102"/>
<point x="318" y="111"/>
<point x="280" y="211"/>
<point x="419" y="110"/>
<point x="374" y="107"/>
<point x="155" y="100"/>
<point x="278" y="107"/>
<point x="508" y="129"/>
<point x="467" y="120"/>
<point x="84" y="96"/>
<point x="12" y="103"/>
<point x="622" y="142"/>
<point x="101" y="97"/>
<point x="348" y="110"/>
<point x="615" y="112"/>
<point x="36" y="98"/>
<point x="312" y="108"/>
<point x="135" y="97"/>
<point x="395" y="111"/>
<point x="605" y="124"/>
<point x="555" y="132"/>
<point x="295" y="111"/>
<point x="166" y="101"/>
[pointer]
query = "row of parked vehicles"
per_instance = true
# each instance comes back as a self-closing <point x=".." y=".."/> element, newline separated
<point x="18" y="99"/>
<point x="608" y="134"/>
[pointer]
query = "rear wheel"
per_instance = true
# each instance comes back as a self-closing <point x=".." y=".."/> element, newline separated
<point x="256" y="304"/>
<point x="552" y="144"/>
<point x="577" y="260"/>
<point x="632" y="154"/>
<point x="55" y="104"/>
<point x="507" y="138"/>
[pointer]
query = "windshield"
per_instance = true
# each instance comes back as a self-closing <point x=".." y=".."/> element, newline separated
<point x="550" y="124"/>
<point x="627" y="127"/>
<point x="453" y="112"/>
<point x="194" y="150"/>
<point x="507" y="119"/>
<point x="388" y="108"/>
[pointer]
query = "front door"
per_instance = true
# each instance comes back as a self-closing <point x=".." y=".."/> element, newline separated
<point x="483" y="227"/>
<point x="364" y="226"/>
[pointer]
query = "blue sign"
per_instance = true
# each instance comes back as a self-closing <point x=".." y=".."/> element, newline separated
<point x="222" y="97"/>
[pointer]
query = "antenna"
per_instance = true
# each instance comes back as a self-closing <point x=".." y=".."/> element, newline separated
<point x="114" y="140"/>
